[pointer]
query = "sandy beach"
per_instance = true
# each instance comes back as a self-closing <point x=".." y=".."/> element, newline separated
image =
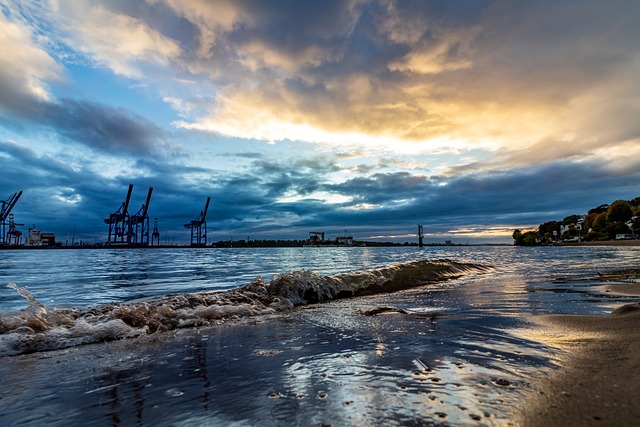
<point x="596" y="384"/>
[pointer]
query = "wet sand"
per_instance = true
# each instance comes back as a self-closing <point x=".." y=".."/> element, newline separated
<point x="597" y="382"/>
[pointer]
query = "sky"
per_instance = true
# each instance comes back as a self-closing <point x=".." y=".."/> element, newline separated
<point x="365" y="117"/>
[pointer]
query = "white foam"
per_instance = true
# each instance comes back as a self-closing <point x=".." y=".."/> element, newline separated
<point x="37" y="328"/>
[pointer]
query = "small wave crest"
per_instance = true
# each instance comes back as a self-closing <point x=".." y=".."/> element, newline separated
<point x="37" y="328"/>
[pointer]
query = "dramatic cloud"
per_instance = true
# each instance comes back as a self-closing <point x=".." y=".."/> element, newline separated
<point x="108" y="35"/>
<point x="25" y="68"/>
<point x="368" y="115"/>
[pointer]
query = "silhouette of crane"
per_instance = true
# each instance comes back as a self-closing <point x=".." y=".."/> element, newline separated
<point x="7" y="207"/>
<point x="139" y="223"/>
<point x="14" y="236"/>
<point x="198" y="227"/>
<point x="155" y="235"/>
<point x="119" y="224"/>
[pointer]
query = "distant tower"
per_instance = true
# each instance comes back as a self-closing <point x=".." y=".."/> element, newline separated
<point x="155" y="235"/>
<point x="420" y="236"/>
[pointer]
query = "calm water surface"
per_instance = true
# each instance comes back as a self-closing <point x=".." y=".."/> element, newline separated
<point x="453" y="356"/>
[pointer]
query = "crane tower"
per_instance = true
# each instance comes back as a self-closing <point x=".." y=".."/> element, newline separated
<point x="119" y="222"/>
<point x="139" y="223"/>
<point x="7" y="207"/>
<point x="198" y="227"/>
<point x="155" y="235"/>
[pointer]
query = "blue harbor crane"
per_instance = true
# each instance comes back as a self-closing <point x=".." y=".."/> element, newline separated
<point x="119" y="224"/>
<point x="138" y="229"/>
<point x="198" y="227"/>
<point x="6" y="220"/>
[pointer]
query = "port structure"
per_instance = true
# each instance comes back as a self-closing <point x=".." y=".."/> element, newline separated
<point x="125" y="228"/>
<point x="198" y="227"/>
<point x="155" y="235"/>
<point x="315" y="237"/>
<point x="14" y="236"/>
<point x="6" y="219"/>
<point x="119" y="222"/>
<point x="139" y="223"/>
<point x="420" y="235"/>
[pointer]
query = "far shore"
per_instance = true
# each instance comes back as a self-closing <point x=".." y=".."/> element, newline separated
<point x="597" y="382"/>
<point x="602" y="243"/>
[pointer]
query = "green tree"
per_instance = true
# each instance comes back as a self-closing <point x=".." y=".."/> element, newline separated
<point x="619" y="211"/>
<point x="548" y="228"/>
<point x="615" y="228"/>
<point x="517" y="237"/>
<point x="570" y="233"/>
<point x="571" y="219"/>
<point x="528" y="238"/>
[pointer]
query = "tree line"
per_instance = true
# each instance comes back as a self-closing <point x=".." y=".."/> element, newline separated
<point x="605" y="222"/>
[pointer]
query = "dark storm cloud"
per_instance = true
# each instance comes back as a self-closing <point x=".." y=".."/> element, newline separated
<point x="246" y="202"/>
<point x="60" y="194"/>
<point x="56" y="193"/>
<point x="552" y="85"/>
<point x="384" y="188"/>
<point x="303" y="176"/>
<point x="532" y="195"/>
<point x="116" y="131"/>
<point x="108" y="129"/>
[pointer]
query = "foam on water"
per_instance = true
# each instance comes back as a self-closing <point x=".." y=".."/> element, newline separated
<point x="38" y="328"/>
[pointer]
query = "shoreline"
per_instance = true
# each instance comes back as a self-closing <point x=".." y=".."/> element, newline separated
<point x="601" y="243"/>
<point x="595" y="384"/>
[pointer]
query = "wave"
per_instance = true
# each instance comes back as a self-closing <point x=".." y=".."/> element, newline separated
<point x="39" y="328"/>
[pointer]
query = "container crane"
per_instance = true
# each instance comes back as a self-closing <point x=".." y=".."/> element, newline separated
<point x="119" y="223"/>
<point x="139" y="223"/>
<point x="7" y="207"/>
<point x="14" y="236"/>
<point x="198" y="227"/>
<point x="155" y="235"/>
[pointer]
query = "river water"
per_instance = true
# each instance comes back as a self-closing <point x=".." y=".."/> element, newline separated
<point x="450" y="353"/>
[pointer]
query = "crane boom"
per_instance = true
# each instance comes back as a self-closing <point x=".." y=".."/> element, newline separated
<point x="206" y="208"/>
<point x="146" y="204"/>
<point x="7" y="206"/>
<point x="126" y="202"/>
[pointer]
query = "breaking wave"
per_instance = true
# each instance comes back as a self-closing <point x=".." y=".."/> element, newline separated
<point x="38" y="328"/>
